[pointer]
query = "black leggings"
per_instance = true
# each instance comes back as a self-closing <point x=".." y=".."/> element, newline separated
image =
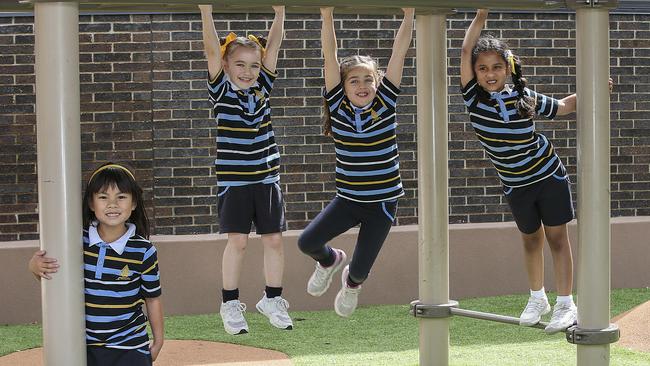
<point x="339" y="216"/>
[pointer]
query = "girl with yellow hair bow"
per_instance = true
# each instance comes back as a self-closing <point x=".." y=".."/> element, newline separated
<point x="241" y="74"/>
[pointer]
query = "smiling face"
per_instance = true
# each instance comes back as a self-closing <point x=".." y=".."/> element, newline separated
<point x="112" y="208"/>
<point x="361" y="85"/>
<point x="491" y="71"/>
<point x="243" y="66"/>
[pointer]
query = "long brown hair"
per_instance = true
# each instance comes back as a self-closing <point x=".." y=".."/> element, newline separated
<point x="348" y="63"/>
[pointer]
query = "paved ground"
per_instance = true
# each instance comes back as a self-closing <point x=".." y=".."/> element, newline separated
<point x="634" y="327"/>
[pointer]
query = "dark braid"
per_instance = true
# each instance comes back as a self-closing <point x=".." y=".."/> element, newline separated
<point x="525" y="104"/>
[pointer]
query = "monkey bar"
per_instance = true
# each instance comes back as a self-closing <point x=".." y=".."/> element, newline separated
<point x="59" y="156"/>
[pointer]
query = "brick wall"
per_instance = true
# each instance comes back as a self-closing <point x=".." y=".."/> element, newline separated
<point x="144" y="101"/>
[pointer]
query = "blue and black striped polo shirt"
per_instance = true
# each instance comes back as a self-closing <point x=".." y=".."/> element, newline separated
<point x="520" y="155"/>
<point x="365" y="140"/>
<point x="246" y="148"/>
<point x="115" y="286"/>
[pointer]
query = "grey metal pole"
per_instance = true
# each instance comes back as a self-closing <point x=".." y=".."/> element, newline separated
<point x="59" y="179"/>
<point x="592" y="40"/>
<point x="491" y="317"/>
<point x="433" y="236"/>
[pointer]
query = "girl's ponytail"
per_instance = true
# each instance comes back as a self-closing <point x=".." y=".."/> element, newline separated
<point x="525" y="103"/>
<point x="327" y="119"/>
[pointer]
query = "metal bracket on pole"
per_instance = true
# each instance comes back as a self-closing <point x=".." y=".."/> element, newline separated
<point x="608" y="335"/>
<point x="574" y="4"/>
<point x="420" y="310"/>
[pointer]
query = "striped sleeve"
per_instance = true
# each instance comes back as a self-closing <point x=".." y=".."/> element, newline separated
<point x="545" y="106"/>
<point x="334" y="97"/>
<point x="150" y="276"/>
<point x="216" y="87"/>
<point x="266" y="79"/>
<point x="388" y="92"/>
<point x="470" y="92"/>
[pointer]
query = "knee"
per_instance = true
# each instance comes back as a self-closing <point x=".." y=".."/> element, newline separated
<point x="272" y="242"/>
<point x="534" y="241"/>
<point x="558" y="242"/>
<point x="237" y="242"/>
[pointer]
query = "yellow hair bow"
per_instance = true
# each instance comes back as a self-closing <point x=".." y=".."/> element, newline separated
<point x="511" y="61"/>
<point x="232" y="37"/>
<point x="256" y="40"/>
<point x="229" y="39"/>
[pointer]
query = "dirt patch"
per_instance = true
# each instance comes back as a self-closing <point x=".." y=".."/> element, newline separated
<point x="182" y="353"/>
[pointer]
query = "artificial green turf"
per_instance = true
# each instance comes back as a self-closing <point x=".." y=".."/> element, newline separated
<point x="387" y="335"/>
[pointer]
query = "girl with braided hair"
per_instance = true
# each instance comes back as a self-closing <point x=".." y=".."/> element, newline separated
<point x="535" y="182"/>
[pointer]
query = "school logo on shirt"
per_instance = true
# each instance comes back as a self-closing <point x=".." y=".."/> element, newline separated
<point x="124" y="274"/>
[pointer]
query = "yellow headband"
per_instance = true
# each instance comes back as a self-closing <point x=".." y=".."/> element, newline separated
<point x="232" y="37"/>
<point x="511" y="61"/>
<point x="116" y="166"/>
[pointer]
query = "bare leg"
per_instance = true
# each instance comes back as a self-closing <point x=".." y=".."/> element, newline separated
<point x="232" y="260"/>
<point x="558" y="240"/>
<point x="273" y="259"/>
<point x="534" y="258"/>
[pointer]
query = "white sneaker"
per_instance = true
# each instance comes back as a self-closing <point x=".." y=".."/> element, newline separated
<point x="534" y="310"/>
<point x="320" y="280"/>
<point x="564" y="316"/>
<point x="276" y="310"/>
<point x="232" y="314"/>
<point x="348" y="297"/>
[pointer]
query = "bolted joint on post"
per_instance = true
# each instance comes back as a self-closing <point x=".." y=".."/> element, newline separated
<point x="420" y="310"/>
<point x="576" y="335"/>
<point x="606" y="4"/>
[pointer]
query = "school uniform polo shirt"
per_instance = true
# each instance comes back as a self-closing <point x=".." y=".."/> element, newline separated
<point x="118" y="276"/>
<point x="520" y="155"/>
<point x="246" y="148"/>
<point x="365" y="140"/>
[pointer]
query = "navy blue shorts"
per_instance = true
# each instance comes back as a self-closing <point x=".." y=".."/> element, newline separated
<point x="259" y="204"/>
<point x="104" y="356"/>
<point x="548" y="202"/>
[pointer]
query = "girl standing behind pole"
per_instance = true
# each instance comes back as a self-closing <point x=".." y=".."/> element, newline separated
<point x="120" y="272"/>
<point x="536" y="184"/>
<point x="360" y="116"/>
<point x="241" y="74"/>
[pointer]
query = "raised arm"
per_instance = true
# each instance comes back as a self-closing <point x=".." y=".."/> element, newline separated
<point x="471" y="37"/>
<point x="328" y="44"/>
<point x="211" y="44"/>
<point x="276" y="34"/>
<point x="400" y="48"/>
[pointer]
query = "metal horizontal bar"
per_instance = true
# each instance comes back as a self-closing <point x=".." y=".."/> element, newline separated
<point x="492" y="317"/>
<point x="295" y="6"/>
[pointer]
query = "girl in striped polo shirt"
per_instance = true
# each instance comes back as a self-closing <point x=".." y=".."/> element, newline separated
<point x="120" y="272"/>
<point x="536" y="184"/>
<point x="241" y="72"/>
<point x="360" y="116"/>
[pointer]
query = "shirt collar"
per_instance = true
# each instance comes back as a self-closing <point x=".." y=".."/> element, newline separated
<point x="118" y="245"/>
<point x="507" y="90"/>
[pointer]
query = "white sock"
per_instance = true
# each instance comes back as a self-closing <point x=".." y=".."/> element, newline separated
<point x="538" y="294"/>
<point x="568" y="300"/>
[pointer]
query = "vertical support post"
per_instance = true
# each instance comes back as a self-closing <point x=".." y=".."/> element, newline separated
<point x="59" y="179"/>
<point x="592" y="41"/>
<point x="433" y="234"/>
